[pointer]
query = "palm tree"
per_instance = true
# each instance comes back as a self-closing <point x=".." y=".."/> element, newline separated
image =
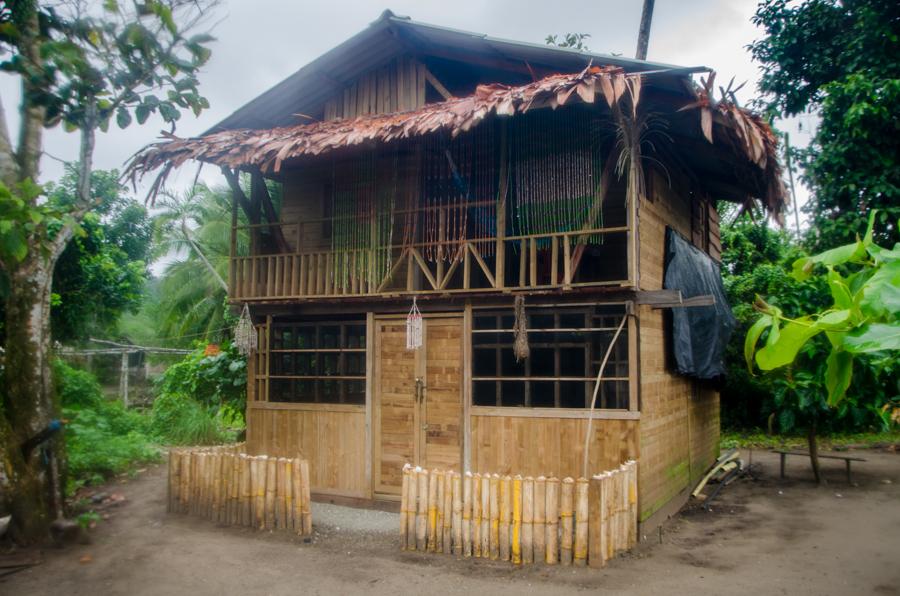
<point x="194" y="230"/>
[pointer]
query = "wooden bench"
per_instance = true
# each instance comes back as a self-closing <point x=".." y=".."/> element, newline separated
<point x="847" y="459"/>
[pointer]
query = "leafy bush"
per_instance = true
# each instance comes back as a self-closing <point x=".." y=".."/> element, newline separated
<point x="180" y="419"/>
<point x="102" y="438"/>
<point x="214" y="380"/>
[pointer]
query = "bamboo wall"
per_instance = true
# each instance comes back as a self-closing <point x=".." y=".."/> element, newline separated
<point x="552" y="446"/>
<point x="230" y="487"/>
<point x="522" y="520"/>
<point x="397" y="87"/>
<point x="331" y="437"/>
<point x="679" y="426"/>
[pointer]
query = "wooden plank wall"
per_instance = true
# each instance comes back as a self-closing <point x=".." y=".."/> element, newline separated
<point x="679" y="426"/>
<point x="395" y="87"/>
<point x="303" y="199"/>
<point x="532" y="446"/>
<point x="331" y="438"/>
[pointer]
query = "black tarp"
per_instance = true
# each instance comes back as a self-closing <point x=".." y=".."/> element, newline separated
<point x="699" y="333"/>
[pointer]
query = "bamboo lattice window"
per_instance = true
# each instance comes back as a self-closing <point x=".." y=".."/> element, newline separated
<point x="566" y="345"/>
<point x="318" y="362"/>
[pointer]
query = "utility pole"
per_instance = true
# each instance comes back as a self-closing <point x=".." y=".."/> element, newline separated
<point x="790" y="169"/>
<point x="644" y="31"/>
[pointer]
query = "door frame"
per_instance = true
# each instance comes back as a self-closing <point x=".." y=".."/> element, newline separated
<point x="420" y="368"/>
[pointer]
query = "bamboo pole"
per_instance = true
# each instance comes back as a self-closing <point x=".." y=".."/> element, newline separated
<point x="279" y="493"/>
<point x="298" y="496"/>
<point x="516" y="539"/>
<point x="609" y="521"/>
<point x="528" y="520"/>
<point x="595" y="522"/>
<point x="485" y="516"/>
<point x="552" y="529"/>
<point x="421" y="508"/>
<point x="305" y="512"/>
<point x="448" y="512"/>
<point x="495" y="517"/>
<point x="476" y="515"/>
<point x="404" y="506"/>
<point x="411" y="501"/>
<point x="235" y="463"/>
<point x="184" y="481"/>
<point x="201" y="483"/>
<point x="633" y="505"/>
<point x="216" y="485"/>
<point x="441" y="513"/>
<point x="271" y="490"/>
<point x="467" y="515"/>
<point x="170" y="480"/>
<point x="566" y="504"/>
<point x="258" y="465"/>
<point x="505" y="506"/>
<point x="580" y="551"/>
<point x="246" y="494"/>
<point x="288" y="494"/>
<point x="432" y="510"/>
<point x="540" y="519"/>
<point x="457" y="514"/>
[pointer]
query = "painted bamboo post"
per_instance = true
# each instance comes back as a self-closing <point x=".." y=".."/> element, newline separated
<point x="495" y="517"/>
<point x="595" y="522"/>
<point x="271" y="490"/>
<point x="633" y="505"/>
<point x="467" y="514"/>
<point x="528" y="520"/>
<point x="486" y="516"/>
<point x="552" y="530"/>
<point x="245" y="489"/>
<point x="540" y="519"/>
<point x="421" y="508"/>
<point x="411" y="501"/>
<point x="404" y="505"/>
<point x="441" y="513"/>
<point x="566" y="504"/>
<point x="457" y="514"/>
<point x="305" y="512"/>
<point x="505" y="506"/>
<point x="448" y="512"/>
<point x="432" y="510"/>
<point x="476" y="515"/>
<point x="580" y="552"/>
<point x="516" y="538"/>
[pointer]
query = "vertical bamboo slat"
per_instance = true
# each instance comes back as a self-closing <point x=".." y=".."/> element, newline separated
<point x="495" y="517"/>
<point x="260" y="492"/>
<point x="476" y="515"/>
<point x="552" y="529"/>
<point x="441" y="513"/>
<point x="421" y="508"/>
<point x="448" y="512"/>
<point x="595" y="524"/>
<point x="305" y="511"/>
<point x="566" y="504"/>
<point x="432" y="510"/>
<point x="411" y="501"/>
<point x="486" y="516"/>
<point x="540" y="519"/>
<point x="505" y="515"/>
<point x="404" y="506"/>
<point x="528" y="520"/>
<point x="271" y="489"/>
<point x="580" y="551"/>
<point x="457" y="514"/>
<point x="516" y="529"/>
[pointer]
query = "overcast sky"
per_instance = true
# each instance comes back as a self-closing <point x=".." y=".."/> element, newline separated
<point x="260" y="42"/>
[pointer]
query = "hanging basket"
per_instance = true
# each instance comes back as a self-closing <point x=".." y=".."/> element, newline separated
<point x="414" y="327"/>
<point x="245" y="339"/>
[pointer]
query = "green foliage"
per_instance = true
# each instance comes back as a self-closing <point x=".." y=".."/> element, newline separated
<point x="102" y="438"/>
<point x="101" y="273"/>
<point x="24" y="222"/>
<point x="576" y="41"/>
<point x="840" y="60"/>
<point x="818" y="349"/>
<point x="99" y="65"/>
<point x="182" y="420"/>
<point x="209" y="380"/>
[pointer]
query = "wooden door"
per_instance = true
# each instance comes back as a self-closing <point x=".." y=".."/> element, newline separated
<point x="417" y="405"/>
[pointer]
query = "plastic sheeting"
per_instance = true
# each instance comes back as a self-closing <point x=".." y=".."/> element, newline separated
<point x="699" y="333"/>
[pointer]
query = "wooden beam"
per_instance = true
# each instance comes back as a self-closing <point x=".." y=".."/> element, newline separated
<point x="238" y="192"/>
<point x="424" y="267"/>
<point x="260" y="193"/>
<point x="438" y="86"/>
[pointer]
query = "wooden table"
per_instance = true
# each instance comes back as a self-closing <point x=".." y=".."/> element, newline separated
<point x="847" y="459"/>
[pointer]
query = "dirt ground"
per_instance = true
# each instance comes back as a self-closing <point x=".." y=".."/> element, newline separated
<point x="764" y="536"/>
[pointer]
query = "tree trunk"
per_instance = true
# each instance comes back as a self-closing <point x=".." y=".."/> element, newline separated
<point x="814" y="453"/>
<point x="28" y="403"/>
<point x="644" y="30"/>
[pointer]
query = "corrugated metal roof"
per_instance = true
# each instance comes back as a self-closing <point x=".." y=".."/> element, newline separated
<point x="306" y="90"/>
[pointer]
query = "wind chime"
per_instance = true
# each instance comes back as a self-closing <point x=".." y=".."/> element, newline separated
<point x="245" y="339"/>
<point x="414" y="327"/>
<point x="555" y="172"/>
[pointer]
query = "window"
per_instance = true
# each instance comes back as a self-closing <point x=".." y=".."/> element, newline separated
<point x="566" y="349"/>
<point x="318" y="362"/>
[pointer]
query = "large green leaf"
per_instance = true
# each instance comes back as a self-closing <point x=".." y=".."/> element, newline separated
<point x="783" y="352"/>
<point x="803" y="267"/>
<point x="874" y="337"/>
<point x="838" y="372"/>
<point x="752" y="337"/>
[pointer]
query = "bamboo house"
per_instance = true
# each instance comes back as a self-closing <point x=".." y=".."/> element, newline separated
<point x="483" y="255"/>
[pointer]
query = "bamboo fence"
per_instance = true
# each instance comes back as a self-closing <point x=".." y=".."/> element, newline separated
<point x="575" y="521"/>
<point x="228" y="486"/>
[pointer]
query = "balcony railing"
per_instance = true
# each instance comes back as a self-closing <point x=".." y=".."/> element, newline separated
<point x="582" y="258"/>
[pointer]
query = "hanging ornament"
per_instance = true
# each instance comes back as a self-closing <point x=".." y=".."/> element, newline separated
<point x="244" y="334"/>
<point x="520" y="330"/>
<point x="414" y="327"/>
